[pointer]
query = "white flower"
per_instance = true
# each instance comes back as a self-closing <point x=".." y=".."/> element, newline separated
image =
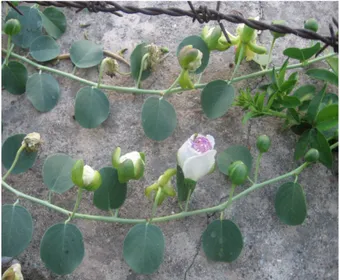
<point x="88" y="175"/>
<point x="196" y="157"/>
<point x="134" y="156"/>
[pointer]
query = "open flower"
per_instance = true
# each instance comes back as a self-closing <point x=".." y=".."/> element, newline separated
<point x="129" y="166"/>
<point x="196" y="157"/>
<point x="85" y="176"/>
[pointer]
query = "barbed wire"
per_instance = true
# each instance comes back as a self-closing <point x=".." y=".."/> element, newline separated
<point x="202" y="15"/>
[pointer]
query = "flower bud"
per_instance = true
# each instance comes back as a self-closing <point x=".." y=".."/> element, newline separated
<point x="237" y="172"/>
<point x="276" y="34"/>
<point x="110" y="65"/>
<point x="13" y="273"/>
<point x="210" y="36"/>
<point x="190" y="58"/>
<point x="85" y="177"/>
<point x="32" y="142"/>
<point x="263" y="143"/>
<point x="311" y="24"/>
<point x="312" y="155"/>
<point x="12" y="27"/>
<point x="129" y="166"/>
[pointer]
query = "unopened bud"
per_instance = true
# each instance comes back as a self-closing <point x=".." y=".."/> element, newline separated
<point x="276" y="34"/>
<point x="311" y="24"/>
<point x="237" y="172"/>
<point x="12" y="27"/>
<point x="312" y="155"/>
<point x="263" y="143"/>
<point x="190" y="58"/>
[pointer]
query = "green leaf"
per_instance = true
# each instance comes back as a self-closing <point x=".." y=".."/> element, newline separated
<point x="314" y="105"/>
<point x="111" y="194"/>
<point x="85" y="54"/>
<point x="222" y="241"/>
<point x="17" y="229"/>
<point x="288" y="85"/>
<point x="62" y="248"/>
<point x="330" y="98"/>
<point x="198" y="43"/>
<point x="91" y="107"/>
<point x="44" y="48"/>
<point x="158" y="118"/>
<point x="282" y="73"/>
<point x="334" y="64"/>
<point x="14" y="77"/>
<point x="290" y="102"/>
<point x="54" y="22"/>
<point x="301" y="146"/>
<point x="302" y="54"/>
<point x="327" y="117"/>
<point x="57" y="171"/>
<point x="136" y="60"/>
<point x="9" y="150"/>
<point x="216" y="98"/>
<point x="324" y="75"/>
<point x="292" y="113"/>
<point x="319" y="142"/>
<point x="304" y="92"/>
<point x="31" y="26"/>
<point x="184" y="185"/>
<point x="290" y="204"/>
<point x="43" y="91"/>
<point x="234" y="153"/>
<point x="144" y="248"/>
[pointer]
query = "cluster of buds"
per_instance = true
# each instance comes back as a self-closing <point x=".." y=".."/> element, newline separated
<point x="162" y="188"/>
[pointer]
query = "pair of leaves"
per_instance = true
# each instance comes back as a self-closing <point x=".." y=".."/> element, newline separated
<point x="302" y="54"/>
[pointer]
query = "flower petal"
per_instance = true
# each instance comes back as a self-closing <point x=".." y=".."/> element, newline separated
<point x="185" y="152"/>
<point x="211" y="140"/>
<point x="198" y="166"/>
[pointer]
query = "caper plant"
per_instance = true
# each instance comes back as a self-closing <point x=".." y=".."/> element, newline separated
<point x="307" y="111"/>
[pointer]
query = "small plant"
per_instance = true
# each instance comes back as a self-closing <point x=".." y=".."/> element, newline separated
<point x="309" y="112"/>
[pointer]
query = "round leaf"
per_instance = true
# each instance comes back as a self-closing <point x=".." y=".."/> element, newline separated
<point x="85" y="54"/>
<point x="144" y="248"/>
<point x="17" y="229"/>
<point x="216" y="98"/>
<point x="290" y="204"/>
<point x="44" y="48"/>
<point x="92" y="107"/>
<point x="31" y="25"/>
<point x="158" y="118"/>
<point x="198" y="43"/>
<point x="111" y="193"/>
<point x="136" y="60"/>
<point x="43" y="91"/>
<point x="57" y="172"/>
<point x="234" y="153"/>
<point x="222" y="241"/>
<point x="9" y="151"/>
<point x="14" y="77"/>
<point x="62" y="248"/>
<point x="54" y="22"/>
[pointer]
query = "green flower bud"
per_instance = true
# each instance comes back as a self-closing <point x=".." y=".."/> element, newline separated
<point x="13" y="273"/>
<point x="190" y="58"/>
<point x="311" y="24"/>
<point x="85" y="177"/>
<point x="12" y="27"/>
<point x="129" y="166"/>
<point x="32" y="142"/>
<point x="312" y="155"/>
<point x="237" y="172"/>
<point x="211" y="36"/>
<point x="248" y="34"/>
<point x="276" y="34"/>
<point x="263" y="143"/>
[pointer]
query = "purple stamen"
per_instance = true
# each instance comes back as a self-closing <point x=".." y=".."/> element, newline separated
<point x="201" y="144"/>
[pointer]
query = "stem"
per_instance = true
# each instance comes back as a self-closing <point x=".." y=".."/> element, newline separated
<point x="22" y="147"/>
<point x="250" y="180"/>
<point x="173" y="84"/>
<point x="154" y="206"/>
<point x="157" y="219"/>
<point x="101" y="72"/>
<point x="258" y="160"/>
<point x="334" y="145"/>
<point x="8" y="49"/>
<point x="187" y="202"/>
<point x="270" y="52"/>
<point x="80" y="191"/>
<point x="158" y="92"/>
<point x="230" y="199"/>
<point x="141" y="69"/>
<point x="116" y="212"/>
<point x="238" y="63"/>
<point x="50" y="196"/>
